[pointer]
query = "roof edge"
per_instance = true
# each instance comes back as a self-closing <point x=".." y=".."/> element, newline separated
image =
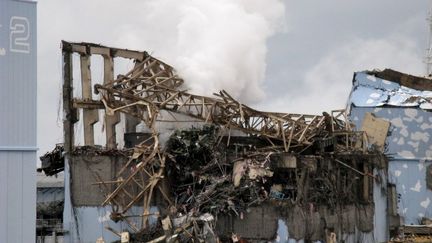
<point x="407" y="80"/>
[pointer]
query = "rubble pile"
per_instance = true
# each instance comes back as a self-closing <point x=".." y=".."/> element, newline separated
<point x="202" y="178"/>
<point x="307" y="164"/>
<point x="209" y="177"/>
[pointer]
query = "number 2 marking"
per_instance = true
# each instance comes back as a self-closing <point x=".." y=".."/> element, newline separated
<point x="19" y="35"/>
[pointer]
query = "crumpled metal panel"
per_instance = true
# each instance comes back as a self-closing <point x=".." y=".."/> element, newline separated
<point x="370" y="91"/>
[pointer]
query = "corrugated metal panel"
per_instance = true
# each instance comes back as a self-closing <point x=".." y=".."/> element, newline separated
<point x="18" y="74"/>
<point x="18" y="121"/>
<point x="17" y="196"/>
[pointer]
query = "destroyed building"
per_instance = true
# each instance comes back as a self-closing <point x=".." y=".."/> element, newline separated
<point x="401" y="104"/>
<point x="174" y="166"/>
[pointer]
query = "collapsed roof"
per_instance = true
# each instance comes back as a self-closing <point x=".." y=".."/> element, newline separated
<point x="303" y="160"/>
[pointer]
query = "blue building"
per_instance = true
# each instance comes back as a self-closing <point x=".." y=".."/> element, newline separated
<point x="405" y="102"/>
<point x="17" y="121"/>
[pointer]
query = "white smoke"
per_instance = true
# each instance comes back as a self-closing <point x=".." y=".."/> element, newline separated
<point x="213" y="44"/>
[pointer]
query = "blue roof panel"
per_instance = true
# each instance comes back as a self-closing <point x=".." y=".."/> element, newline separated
<point x="371" y="91"/>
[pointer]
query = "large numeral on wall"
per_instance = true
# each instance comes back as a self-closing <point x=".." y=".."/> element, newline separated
<point x="19" y="35"/>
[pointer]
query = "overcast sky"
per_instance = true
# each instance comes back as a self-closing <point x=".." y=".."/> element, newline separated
<point x="312" y="47"/>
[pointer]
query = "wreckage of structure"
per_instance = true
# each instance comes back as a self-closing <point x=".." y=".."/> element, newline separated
<point x="178" y="167"/>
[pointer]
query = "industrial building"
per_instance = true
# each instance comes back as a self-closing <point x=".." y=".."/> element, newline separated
<point x="18" y="52"/>
<point x="405" y="103"/>
<point x="268" y="176"/>
<point x="170" y="165"/>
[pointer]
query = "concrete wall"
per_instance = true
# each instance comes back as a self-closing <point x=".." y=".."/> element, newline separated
<point x="18" y="121"/>
<point x="83" y="217"/>
<point x="84" y="171"/>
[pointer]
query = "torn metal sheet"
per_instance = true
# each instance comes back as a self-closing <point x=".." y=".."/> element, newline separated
<point x="372" y="91"/>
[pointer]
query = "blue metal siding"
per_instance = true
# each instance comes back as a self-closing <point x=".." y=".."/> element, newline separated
<point x="17" y="121"/>
<point x="370" y="91"/>
<point x="17" y="197"/>
<point x="410" y="132"/>
<point x="409" y="145"/>
<point x="410" y="180"/>
<point x="18" y="74"/>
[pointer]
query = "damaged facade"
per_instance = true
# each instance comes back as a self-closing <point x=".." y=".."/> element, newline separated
<point x="175" y="166"/>
<point x="404" y="102"/>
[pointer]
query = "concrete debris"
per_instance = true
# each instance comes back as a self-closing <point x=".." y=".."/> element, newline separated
<point x="413" y="233"/>
<point x="124" y="238"/>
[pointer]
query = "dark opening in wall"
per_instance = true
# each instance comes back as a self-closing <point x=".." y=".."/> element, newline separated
<point x="429" y="177"/>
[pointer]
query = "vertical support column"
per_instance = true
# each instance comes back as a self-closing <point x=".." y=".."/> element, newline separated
<point x="366" y="182"/>
<point x="68" y="121"/>
<point x="113" y="120"/>
<point x="70" y="117"/>
<point x="131" y="121"/>
<point x="90" y="116"/>
<point x="392" y="200"/>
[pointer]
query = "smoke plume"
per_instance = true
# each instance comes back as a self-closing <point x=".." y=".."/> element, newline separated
<point x="213" y="45"/>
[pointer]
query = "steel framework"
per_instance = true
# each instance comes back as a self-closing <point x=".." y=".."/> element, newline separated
<point x="152" y="86"/>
